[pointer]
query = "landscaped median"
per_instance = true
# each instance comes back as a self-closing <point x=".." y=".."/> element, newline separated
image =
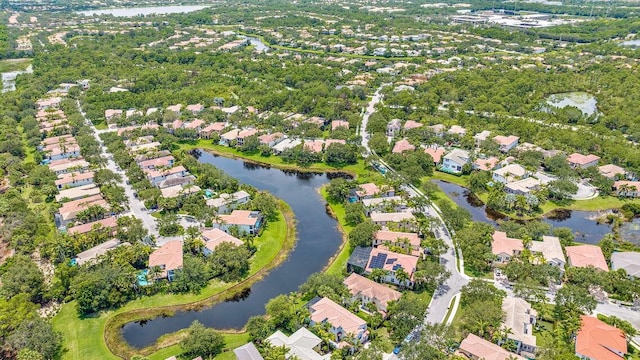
<point x="100" y="337"/>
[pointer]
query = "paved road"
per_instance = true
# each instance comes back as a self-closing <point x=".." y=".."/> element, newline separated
<point x="441" y="301"/>
<point x="135" y="205"/>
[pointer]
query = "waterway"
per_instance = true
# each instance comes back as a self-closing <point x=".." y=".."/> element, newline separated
<point x="585" y="228"/>
<point x="141" y="11"/>
<point x="585" y="102"/>
<point x="318" y="241"/>
<point x="9" y="78"/>
<point x="256" y="43"/>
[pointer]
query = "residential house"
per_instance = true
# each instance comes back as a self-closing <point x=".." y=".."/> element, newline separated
<point x="175" y="125"/>
<point x="175" y="108"/>
<point x="596" y="340"/>
<point x="582" y="161"/>
<point x="504" y="247"/>
<point x="302" y="344"/>
<point x="486" y="164"/>
<point x="246" y="221"/>
<point x="402" y="146"/>
<point x="509" y="173"/>
<point x="210" y="129"/>
<point x="314" y="146"/>
<point x="69" y="210"/>
<point x="457" y="130"/>
<point x="271" y="139"/>
<point x="455" y="160"/>
<point x="368" y="291"/>
<point x="481" y="136"/>
<point x="156" y="176"/>
<point x="435" y="153"/>
<point x="213" y="237"/>
<point x="342" y="322"/>
<point x="227" y="202"/>
<point x="627" y="260"/>
<point x="77" y="192"/>
<point x="112" y="113"/>
<point x="520" y="318"/>
<point x="359" y="259"/>
<point x="393" y="127"/>
<point x="245" y="134"/>
<point x="392" y="262"/>
<point x="526" y="186"/>
<point x="477" y="348"/>
<point x="157" y="163"/>
<point x="228" y="137"/>
<point x="168" y="258"/>
<point x="61" y="151"/>
<point x="410" y="124"/>
<point x="551" y="250"/>
<point x="398" y="220"/>
<point x="132" y="112"/>
<point x="369" y="190"/>
<point x="178" y="179"/>
<point x="195" y="109"/>
<point x="109" y="225"/>
<point x="438" y="129"/>
<point x="151" y="146"/>
<point x="64" y="166"/>
<point x="151" y="111"/>
<point x="93" y="253"/>
<point x="336" y="124"/>
<point x="74" y="179"/>
<point x="391" y="203"/>
<point x="585" y="256"/>
<point x="196" y="125"/>
<point x="286" y="144"/>
<point x="506" y="143"/>
<point x="319" y="121"/>
<point x="247" y="351"/>
<point x="627" y="188"/>
<point x="183" y="188"/>
<point x="611" y="171"/>
<point x="44" y="104"/>
<point x="405" y="240"/>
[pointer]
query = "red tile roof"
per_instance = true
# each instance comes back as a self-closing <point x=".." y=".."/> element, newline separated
<point x="586" y="255"/>
<point x="599" y="341"/>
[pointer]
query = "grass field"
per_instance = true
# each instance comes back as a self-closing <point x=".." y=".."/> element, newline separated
<point x="86" y="338"/>
<point x="337" y="265"/>
<point x="14" y="64"/>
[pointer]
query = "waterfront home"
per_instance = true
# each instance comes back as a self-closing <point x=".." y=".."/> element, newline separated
<point x="69" y="210"/>
<point x="612" y="171"/>
<point x="336" y="124"/>
<point x="625" y="188"/>
<point x="509" y="173"/>
<point x="402" y="146"/>
<point x="455" y="160"/>
<point x="408" y="241"/>
<point x="228" y="137"/>
<point x="506" y="143"/>
<point x="597" y="340"/>
<point x="243" y="134"/>
<point x="368" y="291"/>
<point x="393" y="127"/>
<point x="302" y="344"/>
<point x="391" y="203"/>
<point x="213" y="237"/>
<point x="64" y="166"/>
<point x="520" y="318"/>
<point x="74" y="179"/>
<point x="271" y="139"/>
<point x="477" y="348"/>
<point x="77" y="192"/>
<point x="246" y="221"/>
<point x="108" y="225"/>
<point x="210" y="129"/>
<point x="551" y="250"/>
<point x="226" y="202"/>
<point x="577" y="160"/>
<point x="285" y="145"/>
<point x="397" y="220"/>
<point x="93" y="253"/>
<point x="157" y="163"/>
<point x="196" y="125"/>
<point x="504" y="247"/>
<point x="168" y="258"/>
<point x="627" y="260"/>
<point x="435" y="152"/>
<point x="342" y="322"/>
<point x="392" y="262"/>
<point x="315" y="146"/>
<point x="526" y="186"/>
<point x="248" y="351"/>
<point x="369" y="190"/>
<point x="585" y="256"/>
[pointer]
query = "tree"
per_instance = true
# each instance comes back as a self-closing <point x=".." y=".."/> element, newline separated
<point x="284" y="313"/>
<point x="573" y="300"/>
<point x="201" y="341"/>
<point x="14" y="312"/>
<point x="607" y="246"/>
<point x="354" y="213"/>
<point x="318" y="283"/>
<point x="405" y="315"/>
<point x="402" y="276"/>
<point x="250" y="145"/>
<point x="362" y="234"/>
<point x="266" y="204"/>
<point x="259" y="328"/>
<point x="193" y="276"/>
<point x="36" y="335"/>
<point x="341" y="154"/>
<point x="379" y="144"/>
<point x="565" y="235"/>
<point x="562" y="189"/>
<point x="130" y="229"/>
<point x="230" y="262"/>
<point x="338" y="190"/>
<point x="23" y="276"/>
<point x="168" y="225"/>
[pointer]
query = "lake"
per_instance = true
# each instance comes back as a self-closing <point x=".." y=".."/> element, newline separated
<point x="318" y="240"/>
<point x="138" y="11"/>
<point x="586" y="102"/>
<point x="9" y="78"/>
<point x="256" y="43"/>
<point x="585" y="228"/>
<point x="631" y="43"/>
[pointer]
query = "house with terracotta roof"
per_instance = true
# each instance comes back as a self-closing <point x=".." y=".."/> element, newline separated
<point x="108" y="225"/>
<point x="397" y="220"/>
<point x="168" y="258"/>
<point x="582" y="161"/>
<point x="520" y="318"/>
<point x="391" y="262"/>
<point x="228" y="137"/>
<point x="596" y="340"/>
<point x="210" y="129"/>
<point x="629" y="261"/>
<point x="336" y="124"/>
<point x="393" y="127"/>
<point x="585" y="256"/>
<point x="436" y="153"/>
<point x="477" y="348"/>
<point x="370" y="190"/>
<point x="77" y="192"/>
<point x="438" y="129"/>
<point x="457" y="130"/>
<point x="342" y="322"/>
<point x="612" y="171"/>
<point x="506" y="143"/>
<point x="44" y="104"/>
<point x="246" y="221"/>
<point x="402" y="146"/>
<point x="196" y="125"/>
<point x="551" y="250"/>
<point x="625" y="188"/>
<point x="157" y="163"/>
<point x="271" y="139"/>
<point x="504" y="247"/>
<point x="64" y="166"/>
<point x="62" y="151"/>
<point x="410" y="124"/>
<point x="302" y="344"/>
<point x="315" y="146"/>
<point x="156" y="176"/>
<point x="74" y="179"/>
<point x="406" y="240"/>
<point x="486" y="164"/>
<point x="112" y="113"/>
<point x="195" y="108"/>
<point x="368" y="291"/>
<point x="245" y="134"/>
<point x="175" y="108"/>
<point x="213" y="237"/>
<point x="69" y="210"/>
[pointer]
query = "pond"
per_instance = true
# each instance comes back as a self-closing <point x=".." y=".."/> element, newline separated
<point x="630" y="231"/>
<point x="586" y="102"/>
<point x="138" y="11"/>
<point x="9" y="78"/>
<point x="318" y="240"/>
<point x="257" y="44"/>
<point x="583" y="223"/>
<point x="631" y="43"/>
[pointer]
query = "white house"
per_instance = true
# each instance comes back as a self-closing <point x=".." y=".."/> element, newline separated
<point x="509" y="173"/>
<point x="246" y="221"/>
<point x="455" y="160"/>
<point x="227" y="202"/>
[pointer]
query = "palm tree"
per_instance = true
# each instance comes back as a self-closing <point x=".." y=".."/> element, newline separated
<point x="402" y="276"/>
<point x="378" y="274"/>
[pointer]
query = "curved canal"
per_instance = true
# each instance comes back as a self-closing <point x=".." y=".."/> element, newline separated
<point x="318" y="241"/>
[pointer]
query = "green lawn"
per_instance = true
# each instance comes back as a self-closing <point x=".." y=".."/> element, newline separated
<point x="85" y="338"/>
<point x="459" y="180"/>
<point x="337" y="265"/>
<point x="232" y="341"/>
<point x="14" y="64"/>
